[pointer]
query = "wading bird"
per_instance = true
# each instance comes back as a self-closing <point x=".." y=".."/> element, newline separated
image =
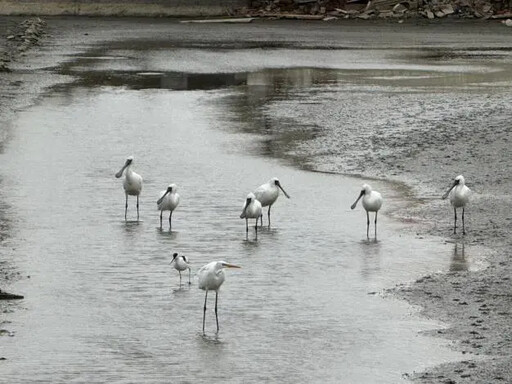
<point x="180" y="264"/>
<point x="268" y="193"/>
<point x="211" y="276"/>
<point x="132" y="183"/>
<point x="372" y="201"/>
<point x="459" y="197"/>
<point x="251" y="210"/>
<point x="168" y="201"/>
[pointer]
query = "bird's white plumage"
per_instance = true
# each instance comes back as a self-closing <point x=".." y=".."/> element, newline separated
<point x="268" y="193"/>
<point x="132" y="182"/>
<point x="211" y="276"/>
<point x="180" y="263"/>
<point x="170" y="199"/>
<point x="459" y="196"/>
<point x="251" y="208"/>
<point x="459" y="193"/>
<point x="372" y="202"/>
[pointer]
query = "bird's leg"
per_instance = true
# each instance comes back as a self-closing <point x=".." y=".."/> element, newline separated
<point x="367" y="225"/>
<point x="256" y="229"/>
<point x="455" y="221"/>
<point x="161" y="219"/>
<point x="180" y="277"/>
<point x="246" y="225"/>
<point x="216" y="317"/>
<point x="170" y="224"/>
<point x="204" y="310"/>
<point x="137" y="207"/>
<point x="463" y="229"/>
<point x="376" y="224"/>
<point x="126" y="207"/>
<point x="268" y="215"/>
<point x="261" y="218"/>
<point x="189" y="276"/>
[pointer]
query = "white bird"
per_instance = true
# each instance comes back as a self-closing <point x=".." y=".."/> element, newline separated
<point x="372" y="201"/>
<point x="268" y="193"/>
<point x="251" y="210"/>
<point x="168" y="201"/>
<point x="459" y="197"/>
<point x="211" y="276"/>
<point x="180" y="264"/>
<point x="132" y="183"/>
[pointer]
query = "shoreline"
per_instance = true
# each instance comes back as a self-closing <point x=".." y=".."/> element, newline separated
<point x="479" y="326"/>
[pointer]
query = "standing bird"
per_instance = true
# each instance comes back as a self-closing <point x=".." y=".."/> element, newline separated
<point x="372" y="201"/>
<point x="168" y="201"/>
<point x="211" y="276"/>
<point x="180" y="264"/>
<point x="268" y="193"/>
<point x="251" y="210"/>
<point x="459" y="197"/>
<point x="132" y="183"/>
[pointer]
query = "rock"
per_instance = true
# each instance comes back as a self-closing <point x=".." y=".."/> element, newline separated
<point x="400" y="8"/>
<point x="508" y="22"/>
<point x="447" y="9"/>
<point x="430" y="14"/>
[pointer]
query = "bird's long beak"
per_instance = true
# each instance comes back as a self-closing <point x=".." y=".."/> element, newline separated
<point x="448" y="191"/>
<point x="281" y="188"/>
<point x="120" y="173"/>
<point x="160" y="199"/>
<point x="227" y="265"/>
<point x="172" y="261"/>
<point x="355" y="202"/>
<point x="247" y="202"/>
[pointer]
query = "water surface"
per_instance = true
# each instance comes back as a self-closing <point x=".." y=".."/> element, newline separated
<point x="102" y="302"/>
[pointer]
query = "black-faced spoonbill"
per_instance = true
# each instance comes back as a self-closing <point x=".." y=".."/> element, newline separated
<point x="251" y="210"/>
<point x="372" y="201"/>
<point x="211" y="276"/>
<point x="168" y="201"/>
<point x="268" y="193"/>
<point x="459" y="197"/>
<point x="180" y="264"/>
<point x="132" y="183"/>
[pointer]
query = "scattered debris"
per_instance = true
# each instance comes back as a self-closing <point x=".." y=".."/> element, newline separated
<point x="328" y="10"/>
<point x="231" y="20"/>
<point x="26" y="34"/>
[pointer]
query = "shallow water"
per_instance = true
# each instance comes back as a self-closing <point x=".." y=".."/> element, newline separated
<point x="102" y="302"/>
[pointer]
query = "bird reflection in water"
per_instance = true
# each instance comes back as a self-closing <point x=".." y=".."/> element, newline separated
<point x="458" y="262"/>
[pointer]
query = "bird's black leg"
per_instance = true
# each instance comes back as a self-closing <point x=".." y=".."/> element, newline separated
<point x="455" y="221"/>
<point x="137" y="207"/>
<point x="256" y="228"/>
<point x="170" y="223"/>
<point x="463" y="228"/>
<point x="180" y="277"/>
<point x="376" y="224"/>
<point x="161" y="219"/>
<point x="189" y="276"/>
<point x="126" y="208"/>
<point x="261" y="218"/>
<point x="204" y="310"/>
<point x="270" y="206"/>
<point x="246" y="225"/>
<point x="367" y="225"/>
<point x="216" y="317"/>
